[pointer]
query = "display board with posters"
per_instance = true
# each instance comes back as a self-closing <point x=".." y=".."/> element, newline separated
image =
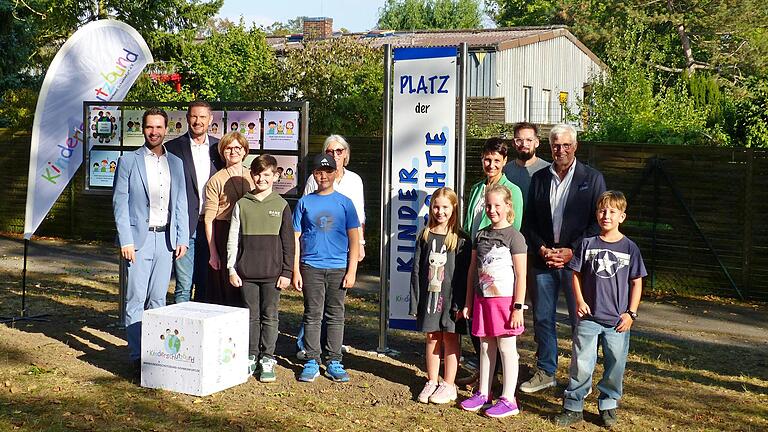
<point x="281" y="130"/>
<point x="121" y="131"/>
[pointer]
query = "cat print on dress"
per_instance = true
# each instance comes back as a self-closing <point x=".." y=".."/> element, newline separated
<point x="496" y="274"/>
<point x="437" y="262"/>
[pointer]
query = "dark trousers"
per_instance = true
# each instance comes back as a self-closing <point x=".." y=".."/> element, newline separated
<point x="323" y="299"/>
<point x="263" y="300"/>
<point x="219" y="290"/>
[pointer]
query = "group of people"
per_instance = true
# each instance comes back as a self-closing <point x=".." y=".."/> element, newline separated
<point x="530" y="227"/>
<point x="191" y="207"/>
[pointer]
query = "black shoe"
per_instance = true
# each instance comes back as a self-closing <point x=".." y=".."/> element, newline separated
<point x="136" y="370"/>
<point x="568" y="417"/>
<point x="609" y="417"/>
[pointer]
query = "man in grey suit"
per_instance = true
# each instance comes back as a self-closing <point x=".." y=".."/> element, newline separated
<point x="561" y="210"/>
<point x="150" y="213"/>
<point x="199" y="153"/>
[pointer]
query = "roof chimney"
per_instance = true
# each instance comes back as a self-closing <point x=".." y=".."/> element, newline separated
<point x="318" y="28"/>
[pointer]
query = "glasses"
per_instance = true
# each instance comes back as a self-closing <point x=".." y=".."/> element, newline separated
<point x="237" y="149"/>
<point x="519" y="141"/>
<point x="566" y="146"/>
<point x="338" y="152"/>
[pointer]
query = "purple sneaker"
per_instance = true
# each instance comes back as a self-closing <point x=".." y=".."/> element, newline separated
<point x="477" y="401"/>
<point x="503" y="408"/>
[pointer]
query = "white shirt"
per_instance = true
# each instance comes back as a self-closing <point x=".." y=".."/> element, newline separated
<point x="159" y="185"/>
<point x="558" y="195"/>
<point x="350" y="185"/>
<point x="202" y="161"/>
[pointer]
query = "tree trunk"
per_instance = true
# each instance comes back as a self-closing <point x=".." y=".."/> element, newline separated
<point x="684" y="40"/>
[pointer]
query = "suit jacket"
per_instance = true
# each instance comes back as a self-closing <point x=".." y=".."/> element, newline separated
<point x="130" y="200"/>
<point x="181" y="147"/>
<point x="579" y="216"/>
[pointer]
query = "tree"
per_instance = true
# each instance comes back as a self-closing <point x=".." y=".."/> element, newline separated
<point x="32" y="31"/>
<point x="633" y="103"/>
<point x="278" y="28"/>
<point x="230" y="65"/>
<point x="343" y="80"/>
<point x="430" y="14"/>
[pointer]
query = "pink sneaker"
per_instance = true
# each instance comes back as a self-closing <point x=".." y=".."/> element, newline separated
<point x="477" y="401"/>
<point x="503" y="408"/>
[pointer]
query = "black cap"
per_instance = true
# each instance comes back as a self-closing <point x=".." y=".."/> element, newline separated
<point x="324" y="161"/>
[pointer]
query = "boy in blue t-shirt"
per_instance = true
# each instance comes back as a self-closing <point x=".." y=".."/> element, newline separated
<point x="608" y="276"/>
<point x="327" y="241"/>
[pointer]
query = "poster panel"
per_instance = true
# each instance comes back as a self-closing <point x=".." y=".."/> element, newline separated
<point x="287" y="170"/>
<point x="177" y="124"/>
<point x="104" y="125"/>
<point x="247" y="123"/>
<point x="281" y="130"/>
<point x="423" y="157"/>
<point x="216" y="128"/>
<point x="133" y="136"/>
<point x="103" y="166"/>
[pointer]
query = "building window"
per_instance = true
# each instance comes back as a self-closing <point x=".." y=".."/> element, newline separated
<point x="563" y="106"/>
<point x="546" y="106"/>
<point x="526" y="103"/>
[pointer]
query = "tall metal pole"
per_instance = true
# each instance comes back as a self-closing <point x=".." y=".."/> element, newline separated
<point x="386" y="191"/>
<point x="461" y="153"/>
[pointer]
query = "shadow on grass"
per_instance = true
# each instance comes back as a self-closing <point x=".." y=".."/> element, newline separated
<point x="112" y="404"/>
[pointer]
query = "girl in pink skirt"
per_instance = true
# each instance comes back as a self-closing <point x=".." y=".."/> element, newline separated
<point x="496" y="300"/>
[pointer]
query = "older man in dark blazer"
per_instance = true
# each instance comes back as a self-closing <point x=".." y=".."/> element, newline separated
<point x="199" y="153"/>
<point x="561" y="210"/>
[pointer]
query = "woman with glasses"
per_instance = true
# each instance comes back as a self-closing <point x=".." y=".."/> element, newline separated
<point x="348" y="184"/>
<point x="222" y="191"/>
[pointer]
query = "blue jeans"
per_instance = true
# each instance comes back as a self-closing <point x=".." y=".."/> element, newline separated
<point x="586" y="337"/>
<point x="193" y="268"/>
<point x="547" y="285"/>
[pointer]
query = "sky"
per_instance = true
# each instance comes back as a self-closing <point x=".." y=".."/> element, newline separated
<point x="354" y="15"/>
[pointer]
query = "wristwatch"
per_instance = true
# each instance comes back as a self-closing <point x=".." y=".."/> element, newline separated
<point x="520" y="306"/>
<point x="631" y="314"/>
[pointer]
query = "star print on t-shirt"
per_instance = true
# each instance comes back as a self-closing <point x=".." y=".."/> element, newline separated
<point x="606" y="263"/>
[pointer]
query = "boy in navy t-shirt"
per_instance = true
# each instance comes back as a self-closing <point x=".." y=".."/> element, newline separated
<point x="326" y="226"/>
<point x="607" y="284"/>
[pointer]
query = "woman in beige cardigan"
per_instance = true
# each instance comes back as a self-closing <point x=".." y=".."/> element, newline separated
<point x="221" y="193"/>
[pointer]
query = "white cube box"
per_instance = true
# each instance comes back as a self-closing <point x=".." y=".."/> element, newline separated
<point x="194" y="348"/>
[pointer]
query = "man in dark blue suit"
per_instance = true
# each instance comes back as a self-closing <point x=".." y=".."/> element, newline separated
<point x="560" y="212"/>
<point x="199" y="153"/>
<point x="150" y="209"/>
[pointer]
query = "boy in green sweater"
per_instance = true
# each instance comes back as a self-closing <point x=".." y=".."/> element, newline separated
<point x="260" y="254"/>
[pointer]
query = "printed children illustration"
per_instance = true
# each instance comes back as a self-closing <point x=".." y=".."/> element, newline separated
<point x="289" y="127"/>
<point x="112" y="166"/>
<point x="495" y="273"/>
<point x="215" y="128"/>
<point x="95" y="167"/>
<point x="288" y="174"/>
<point x="436" y="275"/>
<point x="271" y="126"/>
<point x="233" y="127"/>
<point x="251" y="128"/>
<point x="280" y="127"/>
<point x="104" y="163"/>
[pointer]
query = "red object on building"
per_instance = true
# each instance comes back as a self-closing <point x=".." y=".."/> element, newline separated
<point x="175" y="78"/>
